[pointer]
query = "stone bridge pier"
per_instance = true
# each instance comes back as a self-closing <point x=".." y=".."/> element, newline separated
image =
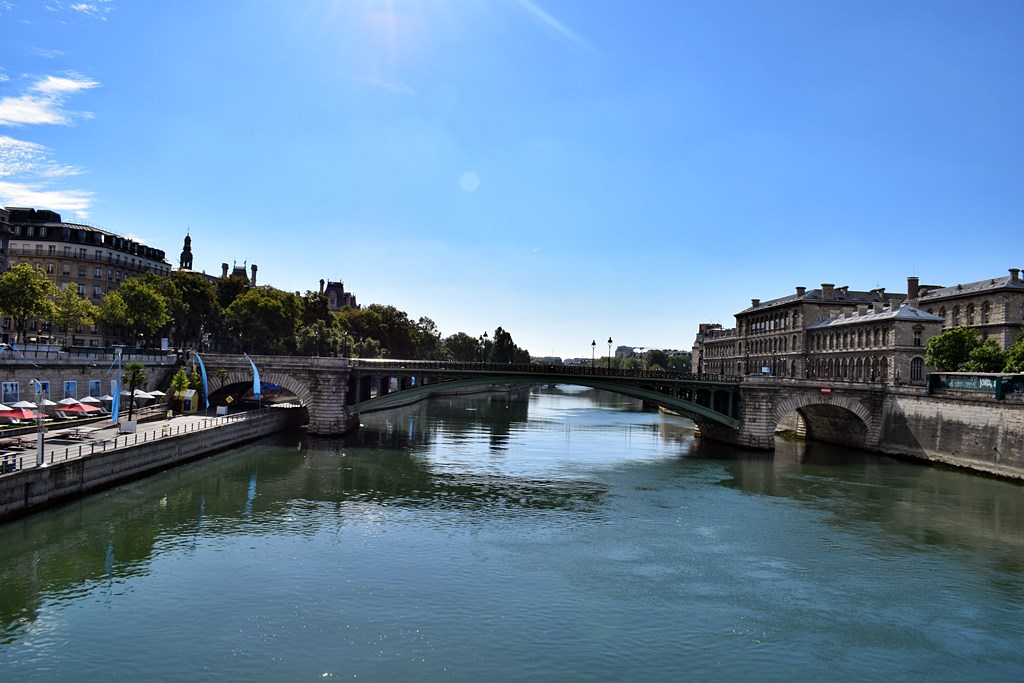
<point x="846" y="413"/>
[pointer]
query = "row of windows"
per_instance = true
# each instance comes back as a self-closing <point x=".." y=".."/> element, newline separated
<point x="773" y="323"/>
<point x="827" y="341"/>
<point x="969" y="311"/>
<point x="968" y="315"/>
<point x="112" y="275"/>
<point x="130" y="262"/>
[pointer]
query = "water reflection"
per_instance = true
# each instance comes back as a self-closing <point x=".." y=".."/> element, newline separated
<point x="642" y="496"/>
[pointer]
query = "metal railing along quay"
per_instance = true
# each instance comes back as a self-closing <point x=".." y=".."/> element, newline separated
<point x="92" y="441"/>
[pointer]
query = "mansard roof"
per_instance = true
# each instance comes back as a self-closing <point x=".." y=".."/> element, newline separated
<point x="903" y="313"/>
<point x="839" y="295"/>
<point x="969" y="288"/>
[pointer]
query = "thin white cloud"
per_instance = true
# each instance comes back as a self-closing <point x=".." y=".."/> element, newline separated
<point x="97" y="8"/>
<point x="53" y="85"/>
<point x="20" y="158"/>
<point x="47" y="53"/>
<point x="393" y="86"/>
<point x="21" y="194"/>
<point x="552" y="23"/>
<point x="43" y="104"/>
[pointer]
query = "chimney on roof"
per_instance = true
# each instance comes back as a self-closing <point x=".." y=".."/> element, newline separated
<point x="800" y="291"/>
<point x="223" y="270"/>
<point x="1014" y="274"/>
<point x="827" y="291"/>
<point x="253" y="268"/>
<point x="913" y="285"/>
<point x="754" y="303"/>
<point x="321" y="285"/>
<point x="879" y="292"/>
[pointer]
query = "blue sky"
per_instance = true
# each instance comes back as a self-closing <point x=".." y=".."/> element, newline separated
<point x="568" y="169"/>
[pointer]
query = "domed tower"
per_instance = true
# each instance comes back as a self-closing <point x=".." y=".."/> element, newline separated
<point x="185" y="263"/>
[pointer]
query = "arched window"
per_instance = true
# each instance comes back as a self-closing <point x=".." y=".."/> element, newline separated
<point x="917" y="369"/>
<point x="970" y="314"/>
<point x="942" y="314"/>
<point x="956" y="316"/>
<point x="986" y="313"/>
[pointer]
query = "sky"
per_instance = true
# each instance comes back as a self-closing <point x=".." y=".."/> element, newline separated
<point x="569" y="170"/>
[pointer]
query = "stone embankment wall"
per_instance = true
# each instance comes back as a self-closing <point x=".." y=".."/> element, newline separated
<point x="27" y="489"/>
<point x="977" y="433"/>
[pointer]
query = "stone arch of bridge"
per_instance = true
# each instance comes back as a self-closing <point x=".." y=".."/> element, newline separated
<point x="242" y="377"/>
<point x="833" y="418"/>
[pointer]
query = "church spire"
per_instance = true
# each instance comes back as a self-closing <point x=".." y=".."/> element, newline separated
<point x="186" y="254"/>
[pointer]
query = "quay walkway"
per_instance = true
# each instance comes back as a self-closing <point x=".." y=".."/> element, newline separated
<point x="70" y="442"/>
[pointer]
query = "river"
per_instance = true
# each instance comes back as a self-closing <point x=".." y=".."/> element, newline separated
<point x="561" y="535"/>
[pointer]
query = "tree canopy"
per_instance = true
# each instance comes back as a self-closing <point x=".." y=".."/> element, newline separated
<point x="950" y="350"/>
<point x="26" y="293"/>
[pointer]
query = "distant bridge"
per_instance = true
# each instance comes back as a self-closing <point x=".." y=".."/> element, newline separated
<point x="744" y="411"/>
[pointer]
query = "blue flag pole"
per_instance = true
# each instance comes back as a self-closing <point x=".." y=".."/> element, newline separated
<point x="202" y="371"/>
<point x="115" y="406"/>
<point x="255" y="378"/>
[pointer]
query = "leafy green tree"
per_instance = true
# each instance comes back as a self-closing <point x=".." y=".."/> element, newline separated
<point x="135" y="375"/>
<point x="70" y="309"/>
<point x="679" y="362"/>
<point x="263" y="320"/>
<point x="656" y="359"/>
<point x="428" y="341"/>
<point x="197" y="311"/>
<point x="25" y="293"/>
<point x="315" y="308"/>
<point x="113" y="311"/>
<point x="179" y="384"/>
<point x="136" y="305"/>
<point x="222" y="375"/>
<point x="395" y="334"/>
<point x="230" y="288"/>
<point x="950" y="351"/>
<point x="320" y="338"/>
<point x="631" y="363"/>
<point x="986" y="357"/>
<point x="462" y="347"/>
<point x="1015" y="357"/>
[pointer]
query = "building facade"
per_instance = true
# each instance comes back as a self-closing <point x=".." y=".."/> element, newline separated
<point x="834" y="333"/>
<point x="87" y="259"/>
<point x="995" y="307"/>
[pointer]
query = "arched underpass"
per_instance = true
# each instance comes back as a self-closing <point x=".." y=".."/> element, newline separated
<point x="826" y="423"/>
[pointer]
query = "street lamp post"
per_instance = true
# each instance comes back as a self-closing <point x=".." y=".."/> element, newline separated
<point x="609" y="353"/>
<point x="593" y="352"/>
<point x="483" y="346"/>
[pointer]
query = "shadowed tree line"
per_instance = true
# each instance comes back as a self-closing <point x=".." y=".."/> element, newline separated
<point x="230" y="315"/>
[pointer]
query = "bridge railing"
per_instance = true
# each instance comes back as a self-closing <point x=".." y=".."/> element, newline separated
<point x="534" y="368"/>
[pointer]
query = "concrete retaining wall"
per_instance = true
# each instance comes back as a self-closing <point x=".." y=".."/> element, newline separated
<point x="31" y="488"/>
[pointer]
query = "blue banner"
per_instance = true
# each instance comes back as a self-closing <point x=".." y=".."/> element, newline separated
<point x="255" y="378"/>
<point x="116" y="405"/>
<point x="202" y="371"/>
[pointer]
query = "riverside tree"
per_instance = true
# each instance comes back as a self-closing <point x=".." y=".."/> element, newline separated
<point x="70" y="310"/>
<point x="950" y="351"/>
<point x="25" y="293"/>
